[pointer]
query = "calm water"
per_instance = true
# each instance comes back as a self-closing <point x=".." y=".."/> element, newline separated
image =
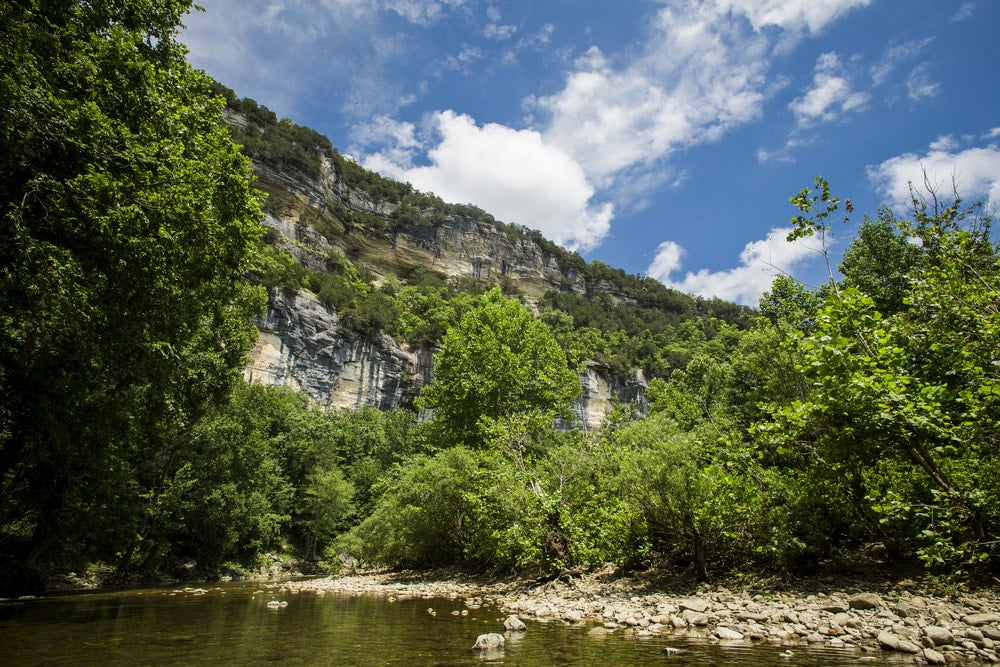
<point x="229" y="625"/>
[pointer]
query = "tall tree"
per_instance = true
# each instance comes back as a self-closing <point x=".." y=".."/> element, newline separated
<point x="499" y="367"/>
<point x="880" y="261"/>
<point x="905" y="402"/>
<point x="127" y="223"/>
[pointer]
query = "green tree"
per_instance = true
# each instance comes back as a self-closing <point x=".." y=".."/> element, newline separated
<point x="671" y="483"/>
<point x="881" y="259"/>
<point x="913" y="389"/>
<point x="420" y="518"/>
<point x="499" y="364"/>
<point x="127" y="224"/>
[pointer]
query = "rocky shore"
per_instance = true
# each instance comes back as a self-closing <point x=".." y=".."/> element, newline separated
<point x="909" y="617"/>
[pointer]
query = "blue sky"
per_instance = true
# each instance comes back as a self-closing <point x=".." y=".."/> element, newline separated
<point x="663" y="137"/>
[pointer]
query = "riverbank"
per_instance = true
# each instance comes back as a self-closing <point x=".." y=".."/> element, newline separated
<point x="909" y="616"/>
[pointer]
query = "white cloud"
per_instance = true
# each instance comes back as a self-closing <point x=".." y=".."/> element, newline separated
<point x="813" y="15"/>
<point x="615" y="126"/>
<point x="513" y="174"/>
<point x="897" y="55"/>
<point x="783" y="154"/>
<point x="420" y="12"/>
<point x="697" y="78"/>
<point x="944" y="144"/>
<point x="964" y="11"/>
<point x="759" y="263"/>
<point x="498" y="32"/>
<point x="974" y="171"/>
<point x="919" y="84"/>
<point x="831" y="95"/>
<point x="702" y="72"/>
<point x="667" y="260"/>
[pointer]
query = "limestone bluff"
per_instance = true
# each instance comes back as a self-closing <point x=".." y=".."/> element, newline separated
<point x="304" y="344"/>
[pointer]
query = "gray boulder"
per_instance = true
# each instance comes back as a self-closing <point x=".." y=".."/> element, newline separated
<point x="865" y="601"/>
<point x="939" y="636"/>
<point x="694" y="604"/>
<point x="933" y="657"/>
<point x="891" y="642"/>
<point x="514" y="624"/>
<point x="489" y="642"/>
<point x="981" y="619"/>
<point x="722" y="632"/>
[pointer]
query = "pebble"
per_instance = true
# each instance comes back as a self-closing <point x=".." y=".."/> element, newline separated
<point x="903" y="618"/>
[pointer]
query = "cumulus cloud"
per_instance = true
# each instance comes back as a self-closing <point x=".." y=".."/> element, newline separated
<point x="974" y="171"/>
<point x="759" y="263"/>
<point x="499" y="32"/>
<point x="513" y="174"/>
<point x="696" y="80"/>
<point x="831" y="95"/>
<point x="702" y="72"/>
<point x="614" y="126"/>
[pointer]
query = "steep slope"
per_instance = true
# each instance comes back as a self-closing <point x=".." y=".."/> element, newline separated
<point x="337" y="219"/>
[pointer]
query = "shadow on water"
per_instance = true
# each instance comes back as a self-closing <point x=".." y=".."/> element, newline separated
<point x="231" y="624"/>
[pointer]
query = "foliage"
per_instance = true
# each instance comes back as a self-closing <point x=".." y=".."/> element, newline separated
<point x="881" y="260"/>
<point x="291" y="149"/>
<point x="498" y="363"/>
<point x="128" y="221"/>
<point x="861" y="412"/>
<point x="912" y="388"/>
<point x="421" y="515"/>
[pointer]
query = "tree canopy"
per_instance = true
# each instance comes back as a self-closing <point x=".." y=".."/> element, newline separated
<point x="127" y="223"/>
<point x="499" y="362"/>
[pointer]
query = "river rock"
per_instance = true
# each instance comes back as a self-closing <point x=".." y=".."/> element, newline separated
<point x="694" y="604"/>
<point x="891" y="642"/>
<point x="981" y="619"/>
<point x="978" y="639"/>
<point x="939" y="636"/>
<point x="865" y="601"/>
<point x="489" y="642"/>
<point x="722" y="632"/>
<point x="514" y="624"/>
<point x="934" y="657"/>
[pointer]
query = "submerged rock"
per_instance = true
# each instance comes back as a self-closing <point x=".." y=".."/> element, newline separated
<point x="489" y="642"/>
<point x="514" y="624"/>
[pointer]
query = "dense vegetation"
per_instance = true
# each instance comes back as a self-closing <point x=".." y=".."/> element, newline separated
<point x="861" y="417"/>
<point x="127" y="224"/>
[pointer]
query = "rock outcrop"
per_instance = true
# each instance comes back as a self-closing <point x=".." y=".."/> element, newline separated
<point x="303" y="343"/>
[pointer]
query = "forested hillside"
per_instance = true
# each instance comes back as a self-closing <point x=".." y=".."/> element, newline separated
<point x="856" y="420"/>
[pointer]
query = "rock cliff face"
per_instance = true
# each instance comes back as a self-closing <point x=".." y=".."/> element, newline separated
<point x="302" y="345"/>
<point x="450" y="245"/>
<point x="302" y="342"/>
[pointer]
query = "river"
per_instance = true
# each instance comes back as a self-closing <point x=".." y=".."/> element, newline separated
<point x="232" y="624"/>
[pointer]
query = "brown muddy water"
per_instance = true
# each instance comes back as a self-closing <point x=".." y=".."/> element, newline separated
<point x="231" y="624"/>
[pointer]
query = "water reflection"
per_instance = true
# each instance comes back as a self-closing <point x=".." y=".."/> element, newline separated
<point x="233" y="625"/>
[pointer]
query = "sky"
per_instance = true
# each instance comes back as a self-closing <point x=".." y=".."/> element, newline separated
<point x="663" y="137"/>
